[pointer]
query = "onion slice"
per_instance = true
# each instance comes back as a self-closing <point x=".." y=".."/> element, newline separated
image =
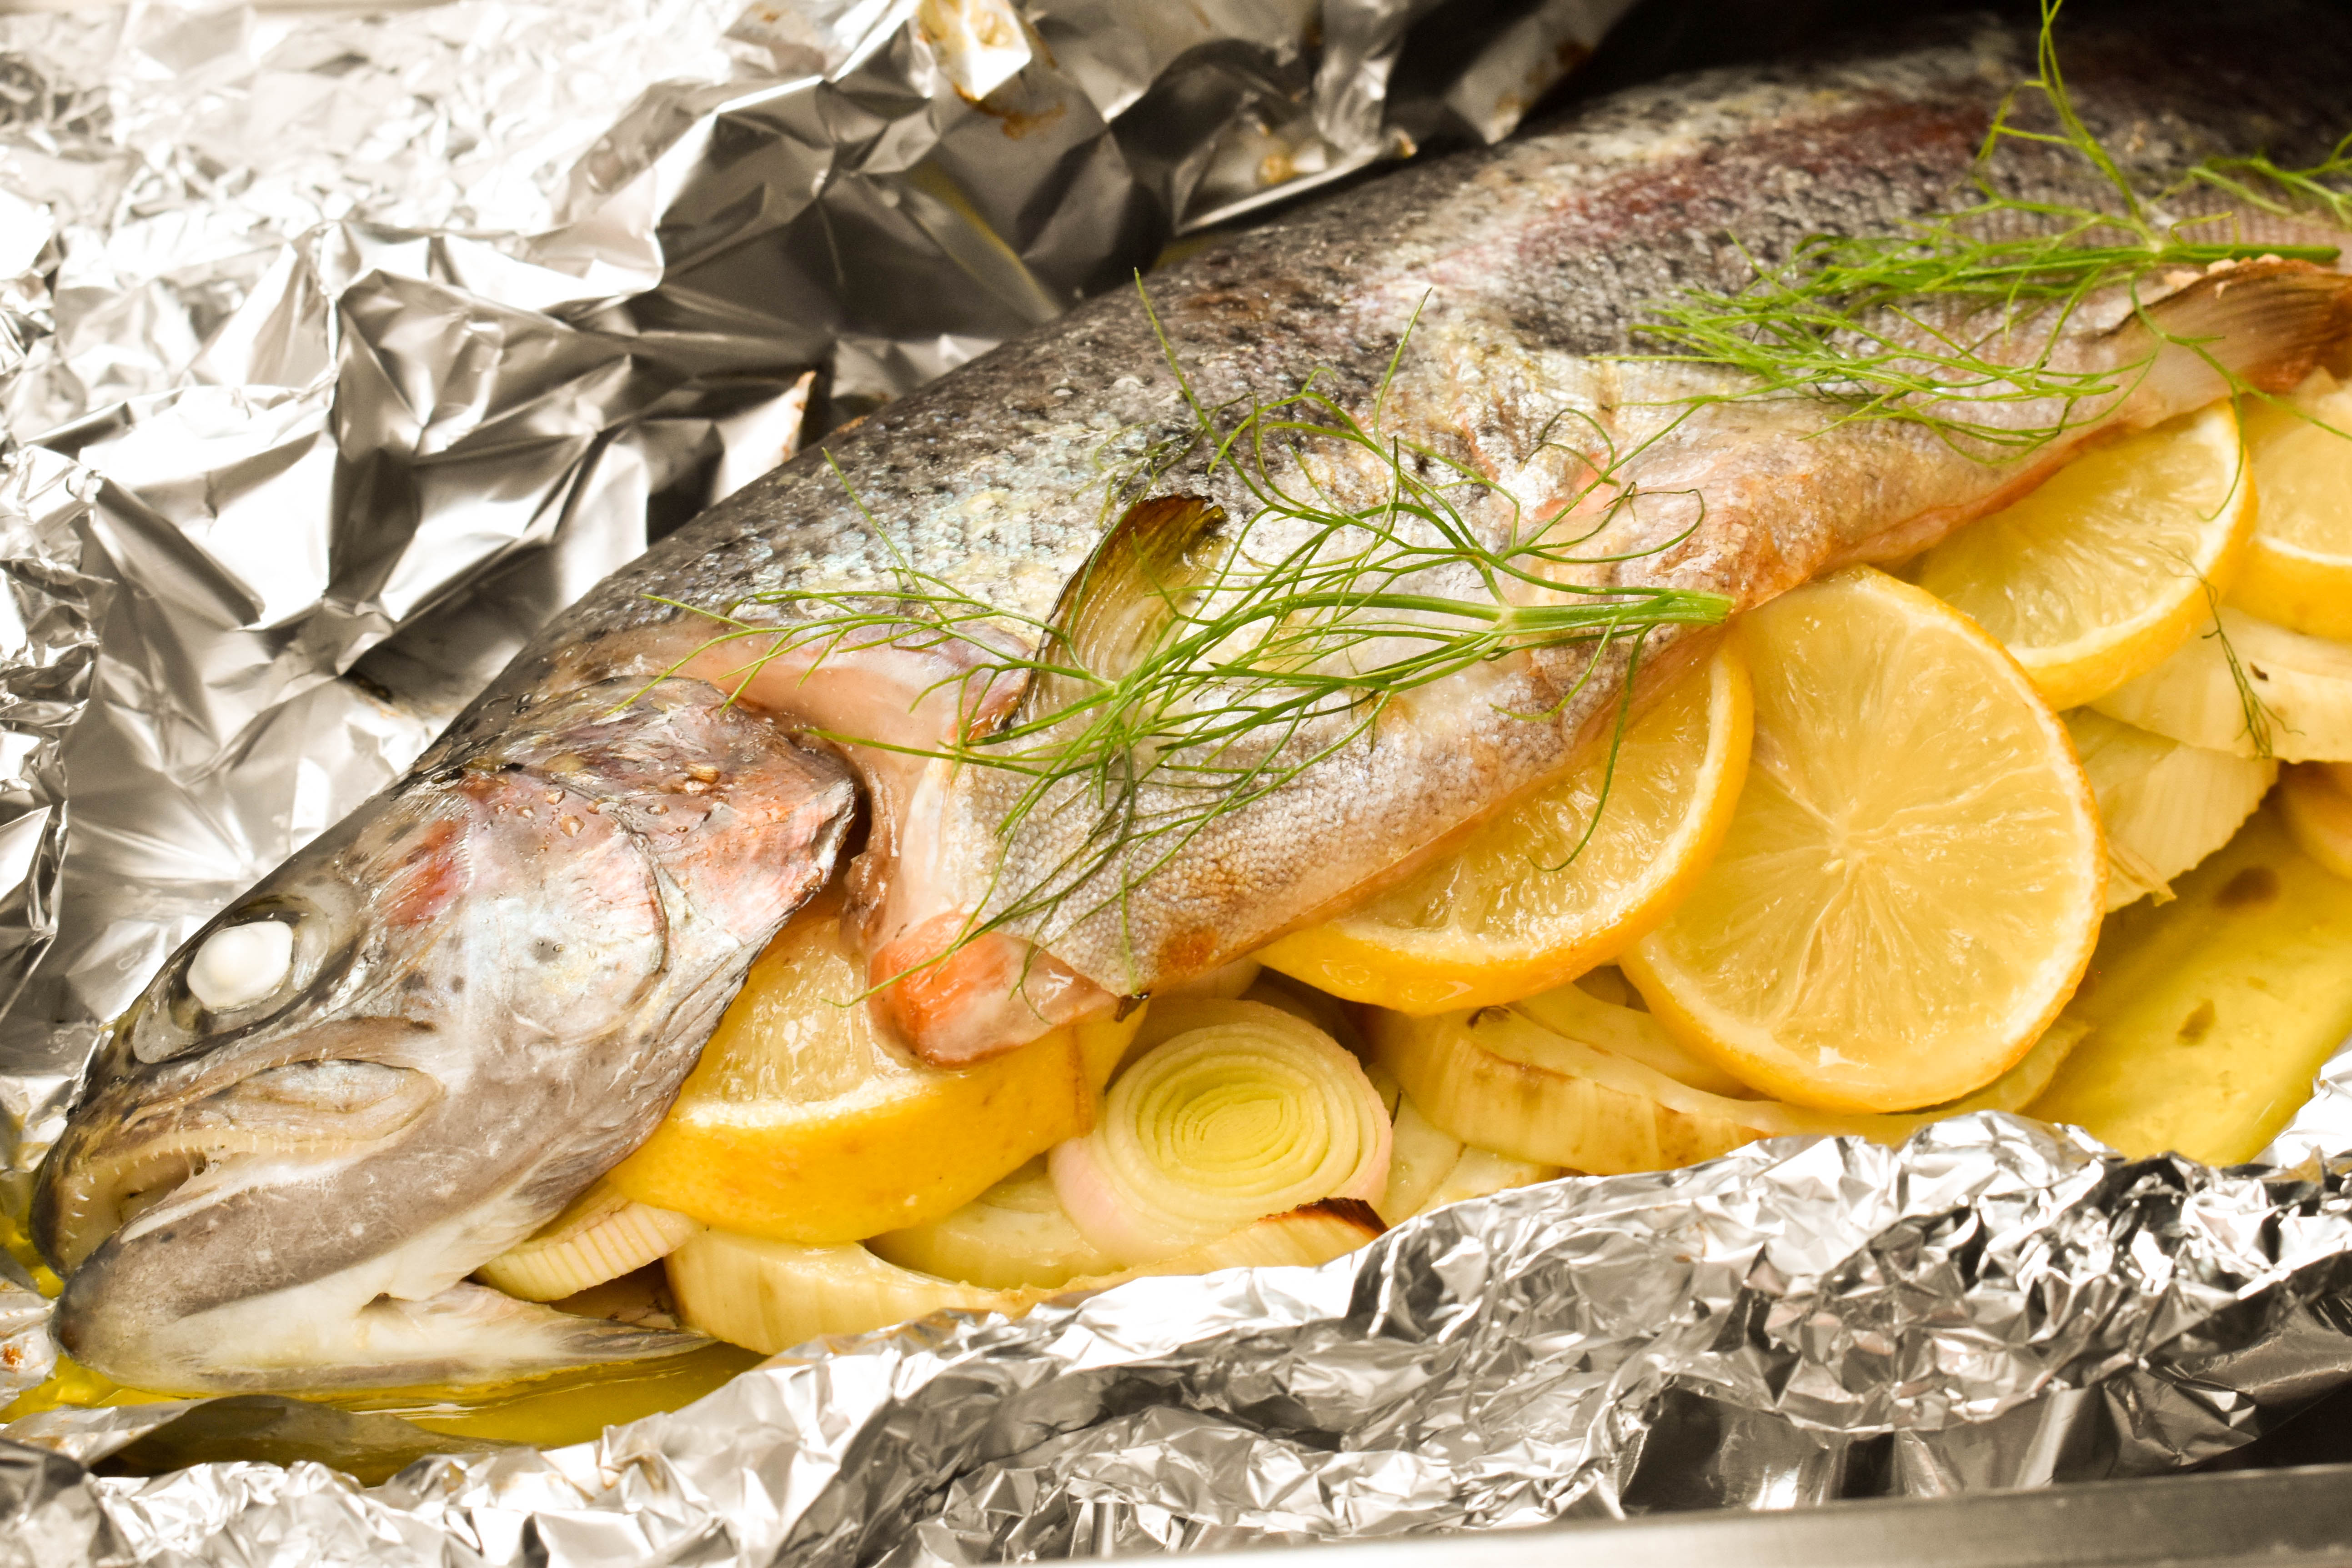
<point x="769" y="1295"/>
<point x="599" y="1235"/>
<point x="1247" y="1111"/>
<point x="1012" y="1236"/>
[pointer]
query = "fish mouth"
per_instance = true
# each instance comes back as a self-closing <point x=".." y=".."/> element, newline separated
<point x="303" y="1104"/>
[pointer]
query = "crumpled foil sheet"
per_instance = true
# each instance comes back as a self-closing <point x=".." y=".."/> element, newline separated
<point x="339" y="350"/>
<point x="1994" y="1304"/>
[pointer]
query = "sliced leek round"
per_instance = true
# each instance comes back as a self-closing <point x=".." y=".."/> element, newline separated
<point x="2294" y="702"/>
<point x="1014" y="1234"/>
<point x="1248" y="1112"/>
<point x="769" y="1295"/>
<point x="2166" y="805"/>
<point x="1499" y="1080"/>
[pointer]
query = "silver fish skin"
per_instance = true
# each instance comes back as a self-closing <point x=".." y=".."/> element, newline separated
<point x="502" y="968"/>
<point x="1527" y="266"/>
<point x="342" y="1155"/>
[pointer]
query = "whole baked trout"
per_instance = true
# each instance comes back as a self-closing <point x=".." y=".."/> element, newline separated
<point x="290" y="1154"/>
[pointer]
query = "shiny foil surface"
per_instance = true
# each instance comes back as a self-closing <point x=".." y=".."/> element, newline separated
<point x="338" y="351"/>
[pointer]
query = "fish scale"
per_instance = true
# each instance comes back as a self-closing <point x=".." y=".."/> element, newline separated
<point x="1529" y="265"/>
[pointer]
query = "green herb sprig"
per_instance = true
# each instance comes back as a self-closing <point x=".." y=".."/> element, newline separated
<point x="1911" y="326"/>
<point x="1197" y="666"/>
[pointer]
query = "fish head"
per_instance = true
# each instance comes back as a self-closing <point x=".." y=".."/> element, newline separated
<point x="424" y="1034"/>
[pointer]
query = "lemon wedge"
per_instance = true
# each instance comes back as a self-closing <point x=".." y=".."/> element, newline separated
<point x="2100" y="574"/>
<point x="2317" y="810"/>
<point x="2166" y="806"/>
<point x="2298" y="569"/>
<point x="2294" y="702"/>
<point x="801" y="1123"/>
<point x="1913" y="878"/>
<point x="1519" y="909"/>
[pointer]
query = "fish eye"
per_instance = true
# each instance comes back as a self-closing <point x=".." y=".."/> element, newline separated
<point x="239" y="977"/>
<point x="238" y="965"/>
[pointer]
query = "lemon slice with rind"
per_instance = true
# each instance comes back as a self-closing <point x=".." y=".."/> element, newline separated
<point x="1913" y="881"/>
<point x="801" y="1123"/>
<point x="2298" y="569"/>
<point x="1519" y="909"/>
<point x="2101" y="573"/>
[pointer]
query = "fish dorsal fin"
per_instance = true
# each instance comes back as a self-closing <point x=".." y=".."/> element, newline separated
<point x="1116" y="606"/>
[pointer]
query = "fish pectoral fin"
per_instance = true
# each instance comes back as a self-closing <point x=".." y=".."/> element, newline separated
<point x="320" y="1336"/>
<point x="465" y="1335"/>
<point x="1116" y="606"/>
<point x="2269" y="319"/>
<point x="486" y="1336"/>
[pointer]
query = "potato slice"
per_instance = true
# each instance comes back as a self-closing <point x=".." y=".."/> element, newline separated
<point x="2207" y="1016"/>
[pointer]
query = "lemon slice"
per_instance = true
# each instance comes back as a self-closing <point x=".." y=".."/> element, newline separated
<point x="2166" y="806"/>
<point x="2289" y="696"/>
<point x="2318" y="814"/>
<point x="2298" y="569"/>
<point x="1519" y="909"/>
<point x="2101" y="573"/>
<point x="801" y="1124"/>
<point x="1912" y="880"/>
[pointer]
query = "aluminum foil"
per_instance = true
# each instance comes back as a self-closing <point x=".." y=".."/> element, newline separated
<point x="1994" y="1304"/>
<point x="337" y="352"/>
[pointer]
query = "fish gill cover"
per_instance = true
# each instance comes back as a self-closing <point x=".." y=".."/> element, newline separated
<point x="339" y="354"/>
